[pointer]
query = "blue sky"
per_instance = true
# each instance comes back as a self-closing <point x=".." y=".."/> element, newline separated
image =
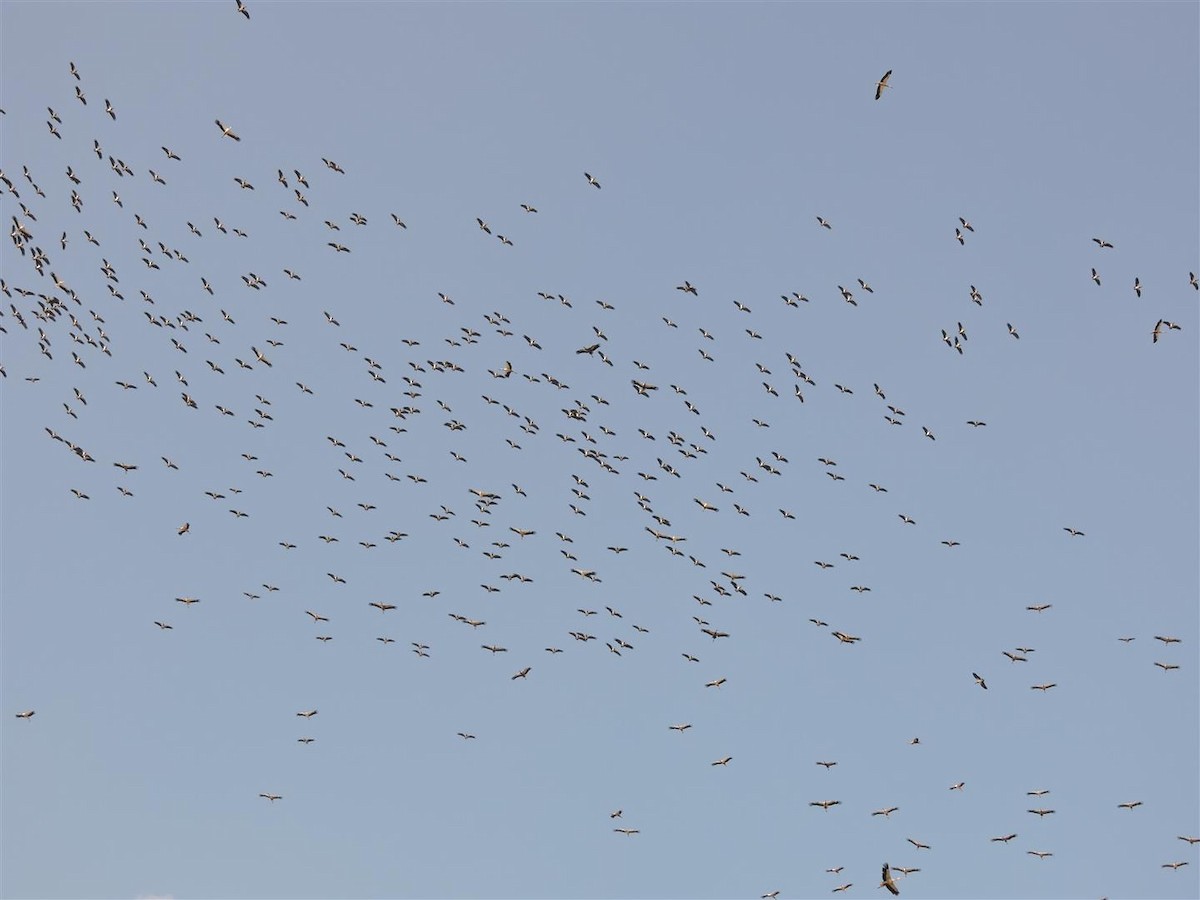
<point x="718" y="133"/>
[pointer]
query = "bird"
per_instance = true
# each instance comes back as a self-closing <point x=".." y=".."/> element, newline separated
<point x="887" y="881"/>
<point x="184" y="528"/>
<point x="271" y="797"/>
<point x="1176" y="866"/>
<point x="226" y="131"/>
<point x="918" y="844"/>
<point x="592" y="181"/>
<point x="979" y="681"/>
<point x="825" y="804"/>
<point x="882" y="83"/>
<point x="522" y="673"/>
<point x="723" y="761"/>
<point x="1101" y="243"/>
<point x="241" y="7"/>
<point x="27" y="714"/>
<point x="1004" y="839"/>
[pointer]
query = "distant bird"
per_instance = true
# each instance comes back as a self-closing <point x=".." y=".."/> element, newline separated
<point x="1134" y="804"/>
<point x="882" y="83"/>
<point x="825" y="804"/>
<point x="1040" y="854"/>
<point x="241" y="7"/>
<point x="592" y="181"/>
<point x="918" y="844"/>
<point x="27" y="714"/>
<point x="888" y="882"/>
<point x="184" y="528"/>
<point x="1004" y="839"/>
<point x="979" y="681"/>
<point x="1101" y="243"/>
<point x="523" y="673"/>
<point x="272" y="797"/>
<point x="1174" y="865"/>
<point x="1072" y="532"/>
<point x="226" y="131"/>
<point x="724" y="761"/>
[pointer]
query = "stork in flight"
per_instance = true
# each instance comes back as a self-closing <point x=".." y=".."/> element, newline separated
<point x="888" y="882"/>
<point x="882" y="83"/>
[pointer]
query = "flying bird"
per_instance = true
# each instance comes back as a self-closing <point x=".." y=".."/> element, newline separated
<point x="226" y="131"/>
<point x="888" y="882"/>
<point x="882" y="83"/>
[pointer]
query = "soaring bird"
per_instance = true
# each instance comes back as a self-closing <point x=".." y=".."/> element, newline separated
<point x="888" y="882"/>
<point x="226" y="131"/>
<point x="272" y="797"/>
<point x="882" y="83"/>
<point x="27" y="714"/>
<point x="592" y="181"/>
<point x="241" y="7"/>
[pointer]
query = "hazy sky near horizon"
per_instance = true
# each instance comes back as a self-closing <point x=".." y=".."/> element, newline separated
<point x="446" y="424"/>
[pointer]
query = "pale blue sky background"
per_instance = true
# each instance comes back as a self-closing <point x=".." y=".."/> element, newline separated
<point x="718" y="133"/>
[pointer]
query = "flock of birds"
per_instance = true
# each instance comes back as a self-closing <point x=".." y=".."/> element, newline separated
<point x="146" y="269"/>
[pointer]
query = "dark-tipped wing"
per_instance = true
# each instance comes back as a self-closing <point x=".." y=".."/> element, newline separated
<point x="882" y="84"/>
<point x="887" y="870"/>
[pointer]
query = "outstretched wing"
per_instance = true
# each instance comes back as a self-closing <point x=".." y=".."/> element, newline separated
<point x="882" y="84"/>
<point x="887" y="870"/>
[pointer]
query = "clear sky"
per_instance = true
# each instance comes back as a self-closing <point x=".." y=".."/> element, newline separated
<point x="717" y="133"/>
